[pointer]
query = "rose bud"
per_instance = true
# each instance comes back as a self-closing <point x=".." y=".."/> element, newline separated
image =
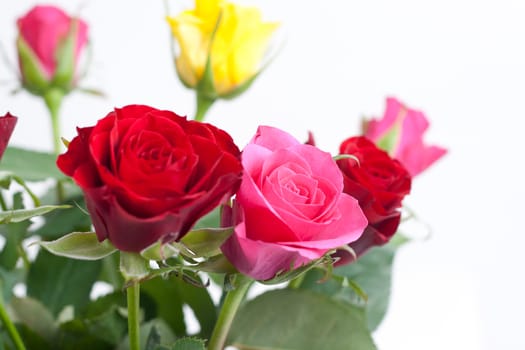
<point x="231" y="37"/>
<point x="49" y="45"/>
<point x="290" y="208"/>
<point x="400" y="132"/>
<point x="149" y="175"/>
<point x="379" y="183"/>
<point x="7" y="125"/>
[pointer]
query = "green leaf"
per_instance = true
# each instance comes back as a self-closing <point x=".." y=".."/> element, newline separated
<point x="300" y="319"/>
<point x="111" y="273"/>
<point x="164" y="331"/>
<point x="189" y="344"/>
<point x="168" y="303"/>
<point x="19" y="215"/>
<point x="61" y="222"/>
<point x="57" y="281"/>
<point x="30" y="165"/>
<point x="109" y="326"/>
<point x="80" y="245"/>
<point x="370" y="274"/>
<point x="153" y="341"/>
<point x="14" y="234"/>
<point x="373" y="273"/>
<point x="76" y="335"/>
<point x="5" y="182"/>
<point x="9" y="279"/>
<point x="199" y="300"/>
<point x="206" y="242"/>
<point x="170" y="295"/>
<point x="31" y="339"/>
<point x="32" y="313"/>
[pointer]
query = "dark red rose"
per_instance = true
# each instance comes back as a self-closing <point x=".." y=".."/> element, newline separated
<point x="149" y="175"/>
<point x="7" y="125"/>
<point x="379" y="183"/>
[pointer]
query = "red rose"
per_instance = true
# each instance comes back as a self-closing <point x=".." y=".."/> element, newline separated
<point x="379" y="183"/>
<point x="7" y="124"/>
<point x="149" y="175"/>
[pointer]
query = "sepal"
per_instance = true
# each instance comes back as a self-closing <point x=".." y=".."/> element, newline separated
<point x="33" y="77"/>
<point x="206" y="242"/>
<point x="65" y="70"/>
<point x="133" y="267"/>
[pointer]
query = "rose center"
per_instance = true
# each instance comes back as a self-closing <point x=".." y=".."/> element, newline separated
<point x="155" y="155"/>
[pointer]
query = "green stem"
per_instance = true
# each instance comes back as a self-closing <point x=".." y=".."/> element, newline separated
<point x="133" y="293"/>
<point x="3" y="206"/>
<point x="203" y="105"/>
<point x="227" y="314"/>
<point x="53" y="100"/>
<point x="10" y="327"/>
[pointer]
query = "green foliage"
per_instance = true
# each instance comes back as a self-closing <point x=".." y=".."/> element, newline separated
<point x="61" y="222"/>
<point x="165" y="333"/>
<point x="171" y="294"/>
<point x="371" y="274"/>
<point x="19" y="215"/>
<point x="14" y="233"/>
<point x="30" y="165"/>
<point x="189" y="344"/>
<point x="57" y="282"/>
<point x="79" y="245"/>
<point x="300" y="319"/>
<point x="36" y="316"/>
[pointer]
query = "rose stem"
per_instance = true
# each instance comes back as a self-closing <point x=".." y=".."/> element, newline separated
<point x="53" y="100"/>
<point x="227" y="314"/>
<point x="133" y="293"/>
<point x="203" y="105"/>
<point x="10" y="327"/>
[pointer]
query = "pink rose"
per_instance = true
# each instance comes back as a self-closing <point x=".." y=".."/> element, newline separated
<point x="49" y="45"/>
<point x="290" y="208"/>
<point x="400" y="132"/>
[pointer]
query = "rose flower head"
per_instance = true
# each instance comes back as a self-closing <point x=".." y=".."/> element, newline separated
<point x="149" y="175"/>
<point x="49" y="46"/>
<point x="290" y="208"/>
<point x="231" y="38"/>
<point x="400" y="132"/>
<point x="379" y="183"/>
<point x="7" y="125"/>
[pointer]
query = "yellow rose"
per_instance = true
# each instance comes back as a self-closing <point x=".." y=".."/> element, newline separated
<point x="234" y="38"/>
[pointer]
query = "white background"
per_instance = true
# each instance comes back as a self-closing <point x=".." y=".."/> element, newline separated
<point x="461" y="61"/>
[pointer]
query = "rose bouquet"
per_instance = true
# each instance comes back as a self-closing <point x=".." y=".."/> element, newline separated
<point x="170" y="215"/>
